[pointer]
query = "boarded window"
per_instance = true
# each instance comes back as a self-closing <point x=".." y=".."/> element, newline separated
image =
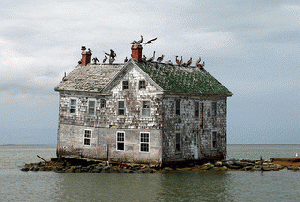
<point x="125" y="85"/>
<point x="103" y="103"/>
<point x="91" y="107"/>
<point x="146" y="108"/>
<point x="214" y="108"/>
<point x="87" y="137"/>
<point x="121" y="108"/>
<point x="120" y="141"/>
<point x="178" y="145"/>
<point x="214" y="140"/>
<point x="142" y="84"/>
<point x="196" y="109"/>
<point x="145" y="141"/>
<point x="177" y="110"/>
<point x="73" y="106"/>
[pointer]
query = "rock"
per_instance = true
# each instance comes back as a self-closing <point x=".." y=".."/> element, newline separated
<point x="247" y="168"/>
<point x="25" y="169"/>
<point x="219" y="164"/>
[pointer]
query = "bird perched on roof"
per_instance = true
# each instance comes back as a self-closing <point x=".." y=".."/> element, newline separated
<point x="150" y="41"/>
<point x="169" y="62"/>
<point x="138" y="42"/>
<point x="159" y="59"/>
<point x="179" y="62"/>
<point x="126" y="59"/>
<point x="144" y="58"/>
<point x="198" y="63"/>
<point x="189" y="62"/>
<point x="104" y="60"/>
<point x="95" y="60"/>
<point x="112" y="54"/>
<point x="152" y="58"/>
<point x="111" y="60"/>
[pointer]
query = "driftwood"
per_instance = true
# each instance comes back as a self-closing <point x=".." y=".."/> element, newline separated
<point x="42" y="159"/>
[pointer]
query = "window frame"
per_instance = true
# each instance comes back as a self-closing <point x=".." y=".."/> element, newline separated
<point x="214" y="144"/>
<point x="71" y="107"/>
<point x="144" y="109"/>
<point x="214" y="108"/>
<point x="87" y="138"/>
<point x="125" y="86"/>
<point x="119" y="141"/>
<point x="177" y="143"/>
<point x="89" y="108"/>
<point x="142" y="86"/>
<point x="121" y="108"/>
<point x="102" y="103"/>
<point x="197" y="109"/>
<point x="144" y="143"/>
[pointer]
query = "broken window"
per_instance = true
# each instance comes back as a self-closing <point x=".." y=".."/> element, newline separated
<point x="87" y="137"/>
<point x="91" y="107"/>
<point x="177" y="110"/>
<point x="120" y="141"/>
<point x="125" y="85"/>
<point x="214" y="140"/>
<point x="146" y="108"/>
<point x="121" y="108"/>
<point x="178" y="145"/>
<point x="73" y="106"/>
<point x="142" y="84"/>
<point x="196" y="109"/>
<point x="214" y="108"/>
<point x="145" y="141"/>
<point x="103" y="103"/>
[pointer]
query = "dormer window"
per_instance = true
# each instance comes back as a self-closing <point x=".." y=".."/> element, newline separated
<point x="142" y="84"/>
<point x="125" y="85"/>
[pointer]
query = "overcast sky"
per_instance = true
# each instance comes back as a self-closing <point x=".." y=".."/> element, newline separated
<point x="251" y="47"/>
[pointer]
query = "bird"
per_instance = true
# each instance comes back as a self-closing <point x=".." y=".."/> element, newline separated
<point x="177" y="61"/>
<point x="138" y="42"/>
<point x="152" y="58"/>
<point x="198" y="61"/>
<point x="126" y="59"/>
<point x="111" y="60"/>
<point x="95" y="60"/>
<point x="159" y="59"/>
<point x="200" y="65"/>
<point x="104" y="60"/>
<point x="144" y="58"/>
<point x="150" y="41"/>
<point x="64" y="78"/>
<point x="169" y="62"/>
<point x="189" y="62"/>
<point x="180" y="60"/>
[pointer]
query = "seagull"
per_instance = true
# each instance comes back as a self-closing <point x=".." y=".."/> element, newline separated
<point x="169" y="62"/>
<point x="189" y="62"/>
<point x="152" y="58"/>
<point x="126" y="59"/>
<point x="198" y="61"/>
<point x="144" y="58"/>
<point x="104" y="60"/>
<point x="177" y="61"/>
<point x="138" y="42"/>
<point x="159" y="59"/>
<point x="150" y="41"/>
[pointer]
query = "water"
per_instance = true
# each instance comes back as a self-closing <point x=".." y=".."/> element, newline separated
<point x="203" y="186"/>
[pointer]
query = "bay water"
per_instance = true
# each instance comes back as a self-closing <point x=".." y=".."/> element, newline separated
<point x="16" y="185"/>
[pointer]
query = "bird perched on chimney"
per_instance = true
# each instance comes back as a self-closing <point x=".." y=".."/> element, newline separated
<point x="189" y="62"/>
<point x="150" y="41"/>
<point x="104" y="60"/>
<point x="138" y="42"/>
<point x="159" y="59"/>
<point x="126" y="59"/>
<point x="152" y="58"/>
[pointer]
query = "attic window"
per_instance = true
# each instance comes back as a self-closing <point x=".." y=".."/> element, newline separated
<point x="214" y="108"/>
<point x="196" y="109"/>
<point x="142" y="84"/>
<point x="125" y="85"/>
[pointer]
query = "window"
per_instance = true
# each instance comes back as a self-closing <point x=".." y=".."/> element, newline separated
<point x="120" y="141"/>
<point x="103" y="103"/>
<point x="125" y="85"/>
<point x="87" y="137"/>
<point x="196" y="109"/>
<point x="177" y="110"/>
<point x="91" y="108"/>
<point x="214" y="108"/>
<point x="73" y="106"/>
<point x="178" y="145"/>
<point x="146" y="108"/>
<point x="121" y="108"/>
<point x="142" y="84"/>
<point x="145" y="141"/>
<point x="214" y="140"/>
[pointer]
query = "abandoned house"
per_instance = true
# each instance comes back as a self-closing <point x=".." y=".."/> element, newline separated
<point x="141" y="111"/>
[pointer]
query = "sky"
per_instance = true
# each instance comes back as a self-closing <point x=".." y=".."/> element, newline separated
<point x="251" y="47"/>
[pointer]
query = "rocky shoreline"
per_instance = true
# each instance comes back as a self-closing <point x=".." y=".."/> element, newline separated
<point x="71" y="165"/>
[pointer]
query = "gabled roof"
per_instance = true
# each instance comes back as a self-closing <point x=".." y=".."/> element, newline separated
<point x="171" y="78"/>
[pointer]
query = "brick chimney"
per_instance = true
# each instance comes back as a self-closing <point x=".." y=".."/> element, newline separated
<point x="86" y="56"/>
<point x="137" y="52"/>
